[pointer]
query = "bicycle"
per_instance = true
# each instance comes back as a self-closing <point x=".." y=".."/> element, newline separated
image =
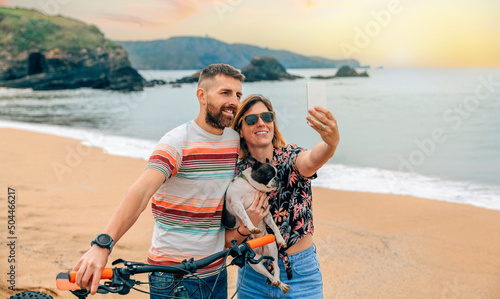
<point x="120" y="282"/>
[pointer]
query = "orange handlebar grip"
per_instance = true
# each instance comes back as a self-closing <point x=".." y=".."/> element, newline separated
<point x="107" y="273"/>
<point x="261" y="241"/>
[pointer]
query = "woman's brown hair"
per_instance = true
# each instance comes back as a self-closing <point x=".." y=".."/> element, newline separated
<point x="245" y="105"/>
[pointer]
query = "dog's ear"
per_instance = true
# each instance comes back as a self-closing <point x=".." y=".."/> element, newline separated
<point x="252" y="160"/>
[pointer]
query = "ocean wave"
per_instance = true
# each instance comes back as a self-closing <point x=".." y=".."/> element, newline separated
<point x="368" y="179"/>
<point x="331" y="176"/>
<point x="13" y="91"/>
<point x="111" y="144"/>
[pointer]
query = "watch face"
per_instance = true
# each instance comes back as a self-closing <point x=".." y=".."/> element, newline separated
<point x="104" y="239"/>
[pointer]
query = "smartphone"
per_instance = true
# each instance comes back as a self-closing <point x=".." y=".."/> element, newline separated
<point x="316" y="94"/>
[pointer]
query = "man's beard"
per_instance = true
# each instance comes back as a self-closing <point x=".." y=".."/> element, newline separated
<point x="216" y="118"/>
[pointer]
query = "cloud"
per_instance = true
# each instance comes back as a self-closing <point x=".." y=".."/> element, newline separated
<point x="5" y="3"/>
<point x="182" y="8"/>
<point x="165" y="11"/>
<point x="122" y="18"/>
<point x="150" y="13"/>
<point x="147" y="19"/>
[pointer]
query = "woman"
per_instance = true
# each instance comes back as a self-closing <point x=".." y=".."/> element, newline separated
<point x="291" y="205"/>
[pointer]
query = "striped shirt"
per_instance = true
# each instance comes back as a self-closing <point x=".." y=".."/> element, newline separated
<point x="198" y="167"/>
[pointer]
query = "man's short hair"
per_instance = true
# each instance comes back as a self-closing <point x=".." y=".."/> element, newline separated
<point x="213" y="70"/>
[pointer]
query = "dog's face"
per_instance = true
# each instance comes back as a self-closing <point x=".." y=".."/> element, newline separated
<point x="240" y="193"/>
<point x="264" y="174"/>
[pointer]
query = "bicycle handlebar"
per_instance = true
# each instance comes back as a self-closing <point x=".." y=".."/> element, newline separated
<point x="241" y="254"/>
<point x="107" y="273"/>
<point x="261" y="241"/>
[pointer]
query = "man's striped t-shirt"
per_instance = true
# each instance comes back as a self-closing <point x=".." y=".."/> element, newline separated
<point x="198" y="166"/>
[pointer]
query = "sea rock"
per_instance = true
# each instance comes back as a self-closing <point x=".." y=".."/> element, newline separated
<point x="55" y="69"/>
<point x="322" y="77"/>
<point x="45" y="52"/>
<point x="189" y="79"/>
<point x="259" y="69"/>
<point x="154" y="82"/>
<point x="347" y="71"/>
<point x="344" y="71"/>
<point x="266" y="68"/>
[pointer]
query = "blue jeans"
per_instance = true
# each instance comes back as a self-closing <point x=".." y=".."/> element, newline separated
<point x="306" y="282"/>
<point x="162" y="286"/>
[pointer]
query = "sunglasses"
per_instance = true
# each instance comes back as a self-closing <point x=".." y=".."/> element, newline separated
<point x="252" y="119"/>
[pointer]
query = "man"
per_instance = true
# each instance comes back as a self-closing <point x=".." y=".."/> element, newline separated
<point x="186" y="178"/>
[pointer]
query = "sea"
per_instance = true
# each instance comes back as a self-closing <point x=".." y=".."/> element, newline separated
<point x="426" y="132"/>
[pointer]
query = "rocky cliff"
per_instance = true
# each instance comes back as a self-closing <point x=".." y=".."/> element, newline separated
<point x="191" y="52"/>
<point x="266" y="68"/>
<point x="44" y="53"/>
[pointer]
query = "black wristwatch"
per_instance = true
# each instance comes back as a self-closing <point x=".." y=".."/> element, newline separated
<point x="103" y="241"/>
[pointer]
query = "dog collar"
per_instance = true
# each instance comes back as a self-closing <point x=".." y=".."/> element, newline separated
<point x="241" y="175"/>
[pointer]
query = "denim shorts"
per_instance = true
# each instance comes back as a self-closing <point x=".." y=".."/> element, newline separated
<point x="162" y="286"/>
<point x="307" y="281"/>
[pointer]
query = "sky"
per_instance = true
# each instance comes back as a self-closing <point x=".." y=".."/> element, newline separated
<point x="389" y="33"/>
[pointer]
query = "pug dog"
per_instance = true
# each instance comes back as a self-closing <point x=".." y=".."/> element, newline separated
<point x="239" y="196"/>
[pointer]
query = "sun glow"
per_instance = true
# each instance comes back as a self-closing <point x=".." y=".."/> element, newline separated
<point x="397" y="33"/>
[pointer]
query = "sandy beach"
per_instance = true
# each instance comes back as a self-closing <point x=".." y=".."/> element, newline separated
<point x="369" y="245"/>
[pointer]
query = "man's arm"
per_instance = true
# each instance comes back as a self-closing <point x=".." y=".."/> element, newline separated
<point x="125" y="215"/>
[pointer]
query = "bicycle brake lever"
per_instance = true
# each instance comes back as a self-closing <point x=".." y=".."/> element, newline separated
<point x="104" y="289"/>
<point x="131" y="266"/>
<point x="101" y="289"/>
<point x="118" y="261"/>
<point x="115" y="287"/>
<point x="81" y="293"/>
<point x="254" y="261"/>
